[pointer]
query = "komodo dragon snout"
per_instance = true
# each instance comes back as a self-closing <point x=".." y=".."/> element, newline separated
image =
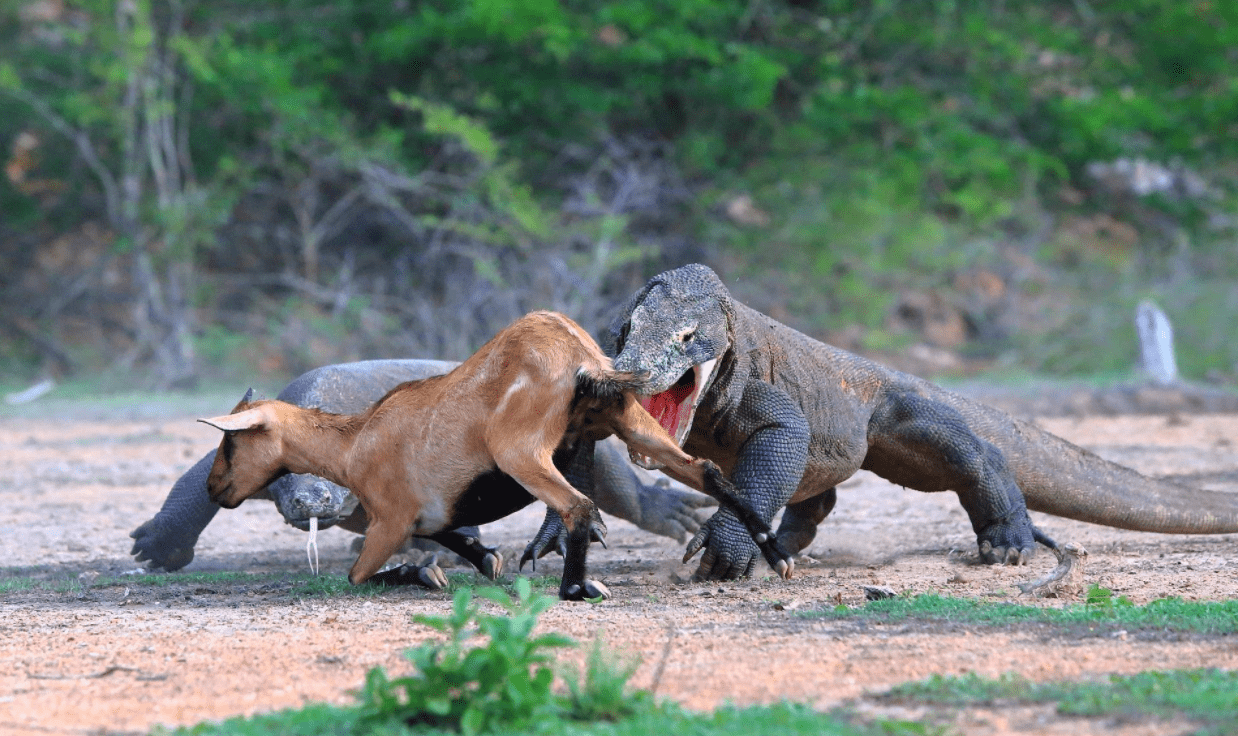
<point x="301" y="497"/>
<point x="678" y="347"/>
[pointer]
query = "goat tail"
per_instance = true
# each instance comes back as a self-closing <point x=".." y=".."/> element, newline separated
<point x="608" y="386"/>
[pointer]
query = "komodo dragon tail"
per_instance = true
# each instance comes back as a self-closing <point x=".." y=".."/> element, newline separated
<point x="1063" y="479"/>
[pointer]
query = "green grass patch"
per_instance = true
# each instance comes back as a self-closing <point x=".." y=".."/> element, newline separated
<point x="1101" y="608"/>
<point x="305" y="585"/>
<point x="15" y="585"/>
<point x="164" y="580"/>
<point x="1208" y="696"/>
<point x="296" y="585"/>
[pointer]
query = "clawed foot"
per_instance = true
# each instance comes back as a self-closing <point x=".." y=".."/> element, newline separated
<point x="736" y="510"/>
<point x="590" y="590"/>
<point x="991" y="555"/>
<point x="731" y="552"/>
<point x="429" y="575"/>
<point x="672" y="511"/>
<point x="152" y="544"/>
<point x="1011" y="542"/>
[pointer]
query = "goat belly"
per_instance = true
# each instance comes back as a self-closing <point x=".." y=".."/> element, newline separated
<point x="488" y="498"/>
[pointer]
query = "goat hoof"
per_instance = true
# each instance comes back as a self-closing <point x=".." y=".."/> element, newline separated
<point x="594" y="589"/>
<point x="590" y="590"/>
<point x="492" y="565"/>
<point x="431" y="575"/>
<point x="785" y="568"/>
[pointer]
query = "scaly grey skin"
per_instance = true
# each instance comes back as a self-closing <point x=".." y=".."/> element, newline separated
<point x="167" y="540"/>
<point x="788" y="418"/>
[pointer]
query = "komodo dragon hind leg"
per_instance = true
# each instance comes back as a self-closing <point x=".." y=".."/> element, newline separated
<point x="800" y="520"/>
<point x="926" y="445"/>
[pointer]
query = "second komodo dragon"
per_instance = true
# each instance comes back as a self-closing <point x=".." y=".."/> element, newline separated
<point x="167" y="540"/>
<point x="788" y="418"/>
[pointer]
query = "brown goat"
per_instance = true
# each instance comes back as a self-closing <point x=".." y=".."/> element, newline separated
<point x="468" y="447"/>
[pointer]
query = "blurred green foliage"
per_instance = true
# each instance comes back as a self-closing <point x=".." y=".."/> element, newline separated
<point x="893" y="144"/>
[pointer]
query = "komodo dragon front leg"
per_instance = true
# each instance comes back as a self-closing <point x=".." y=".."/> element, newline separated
<point x="772" y="436"/>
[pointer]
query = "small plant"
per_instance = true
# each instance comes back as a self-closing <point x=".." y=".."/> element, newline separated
<point x="506" y="681"/>
<point x="602" y="694"/>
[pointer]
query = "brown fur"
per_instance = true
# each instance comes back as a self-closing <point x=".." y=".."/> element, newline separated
<point x="540" y="384"/>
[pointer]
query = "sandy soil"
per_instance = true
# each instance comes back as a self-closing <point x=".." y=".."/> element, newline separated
<point x="80" y="657"/>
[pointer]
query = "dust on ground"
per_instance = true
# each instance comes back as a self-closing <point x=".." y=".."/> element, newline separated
<point x="77" y="657"/>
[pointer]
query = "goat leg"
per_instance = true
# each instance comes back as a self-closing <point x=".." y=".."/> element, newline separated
<point x="384" y="536"/>
<point x="574" y="586"/>
<point x="466" y="542"/>
<point x="429" y="575"/>
<point x="546" y="483"/>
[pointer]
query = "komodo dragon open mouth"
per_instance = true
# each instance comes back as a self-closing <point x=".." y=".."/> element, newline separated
<point x="675" y="407"/>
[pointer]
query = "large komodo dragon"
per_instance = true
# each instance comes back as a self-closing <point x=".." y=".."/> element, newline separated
<point x="788" y="418"/>
<point x="167" y="540"/>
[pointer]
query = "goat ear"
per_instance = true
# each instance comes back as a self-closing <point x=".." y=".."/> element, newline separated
<point x="248" y="419"/>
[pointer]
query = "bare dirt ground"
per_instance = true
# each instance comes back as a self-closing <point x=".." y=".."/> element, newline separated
<point x="78" y="657"/>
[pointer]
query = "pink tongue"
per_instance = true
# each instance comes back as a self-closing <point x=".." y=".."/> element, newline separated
<point x="665" y="406"/>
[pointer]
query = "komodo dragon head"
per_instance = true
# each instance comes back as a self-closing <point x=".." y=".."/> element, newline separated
<point x="676" y="330"/>
<point x="300" y="497"/>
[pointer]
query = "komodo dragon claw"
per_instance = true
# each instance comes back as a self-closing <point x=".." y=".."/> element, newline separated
<point x="723" y="566"/>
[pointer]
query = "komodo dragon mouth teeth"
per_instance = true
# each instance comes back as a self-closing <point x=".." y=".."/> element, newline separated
<point x="675" y="407"/>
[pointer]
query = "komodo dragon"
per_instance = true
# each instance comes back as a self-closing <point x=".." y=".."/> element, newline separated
<point x="167" y="540"/>
<point x="788" y="418"/>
